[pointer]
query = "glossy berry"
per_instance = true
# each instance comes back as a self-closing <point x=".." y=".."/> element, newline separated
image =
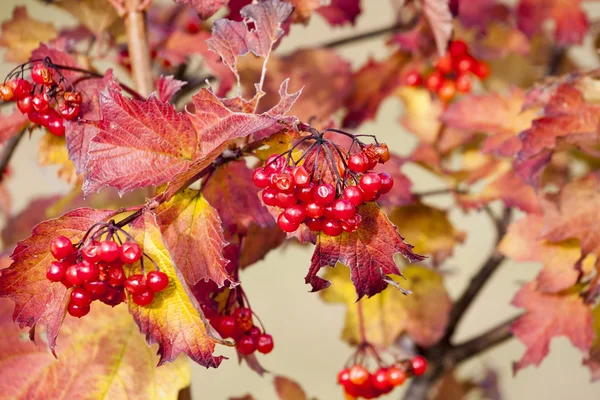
<point x="40" y="102"/>
<point x="56" y="271"/>
<point x="80" y="297"/>
<point x="269" y="196"/>
<point x="481" y="70"/>
<point x="458" y="48"/>
<point x="73" y="97"/>
<point x="246" y="345"/>
<point x="351" y="225"/>
<point x="383" y="152"/>
<point x="358" y="162"/>
<point x="116" y="275"/>
<point x="21" y="88"/>
<point x="465" y="64"/>
<point x="243" y="318"/>
<point x="72" y="277"/>
<point x="418" y="365"/>
<point x="261" y="178"/>
<point x="305" y="193"/>
<point x="358" y="375"/>
<point x="331" y="227"/>
<point x="61" y="247"/>
<point x="87" y="271"/>
<point x="285" y="200"/>
<point x="68" y="111"/>
<point x="265" y="344"/>
<point x="144" y="298"/>
<point x="434" y="81"/>
<point x="6" y="92"/>
<point x="447" y="91"/>
<point x="343" y="209"/>
<point x="285" y="224"/>
<point x="380" y="381"/>
<point x="109" y="251"/>
<point x="463" y="83"/>
<point x="77" y="311"/>
<point x="255" y="332"/>
<point x="113" y="296"/>
<point x="295" y="214"/>
<point x="226" y="326"/>
<point x="314" y="224"/>
<point x="396" y="376"/>
<point x="323" y="194"/>
<point x="25" y="105"/>
<point x="413" y="78"/>
<point x="96" y="288"/>
<point x="91" y="253"/>
<point x="130" y="253"/>
<point x="157" y="281"/>
<point x="314" y="209"/>
<point x="301" y="176"/>
<point x="370" y="183"/>
<point x="444" y="64"/>
<point x="136" y="283"/>
<point x="343" y="377"/>
<point x="41" y="75"/>
<point x="55" y="125"/>
<point x="387" y="182"/>
<point x="274" y="163"/>
<point x="354" y="195"/>
<point x="283" y="181"/>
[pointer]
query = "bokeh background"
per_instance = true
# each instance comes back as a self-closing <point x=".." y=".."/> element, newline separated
<point x="307" y="331"/>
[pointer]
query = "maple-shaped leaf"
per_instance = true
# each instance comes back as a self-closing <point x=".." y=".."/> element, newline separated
<point x="428" y="229"/>
<point x="549" y="316"/>
<point x="102" y="357"/>
<point x="340" y="12"/>
<point x="561" y="261"/>
<point x="22" y="34"/>
<point x="439" y="17"/>
<point x="174" y="319"/>
<point x="12" y="124"/>
<point x="373" y="83"/>
<point x="368" y="252"/>
<point x="258" y="242"/>
<point x="193" y="233"/>
<point x="53" y="152"/>
<point x="571" y="22"/>
<point x="205" y="8"/>
<point x="93" y="14"/>
<point x="288" y="389"/>
<point x="423" y="314"/>
<point x="593" y="360"/>
<point x="500" y="116"/>
<point x="241" y="207"/>
<point x="167" y="86"/>
<point x="575" y="214"/>
<point x="36" y="298"/>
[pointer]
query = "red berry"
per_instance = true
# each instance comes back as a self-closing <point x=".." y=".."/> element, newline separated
<point x="113" y="296"/>
<point x="301" y="176"/>
<point x="34" y="117"/>
<point x="6" y="92"/>
<point x="275" y="163"/>
<point x="380" y="381"/>
<point x="246" y="345"/>
<point x="78" y="311"/>
<point x="283" y="181"/>
<point x="447" y="91"/>
<point x="444" y="64"/>
<point x="80" y="297"/>
<point x="323" y="194"/>
<point x="226" y="326"/>
<point x="458" y="48"/>
<point x="343" y="377"/>
<point x="56" y="271"/>
<point x="55" y="125"/>
<point x="243" y="317"/>
<point x="157" y="281"/>
<point x="261" y="178"/>
<point x="358" y="162"/>
<point x="295" y="214"/>
<point x="68" y="111"/>
<point x="21" y="88"/>
<point x="40" y="102"/>
<point x="87" y="271"/>
<point x="351" y="225"/>
<point x="255" y="332"/>
<point x="96" y="288"/>
<point x="434" y="81"/>
<point x="332" y="227"/>
<point x="91" y="253"/>
<point x="413" y="78"/>
<point x="396" y="376"/>
<point x="383" y="152"/>
<point x="269" y="196"/>
<point x="116" y="275"/>
<point x="358" y="375"/>
<point x="371" y="196"/>
<point x="285" y="224"/>
<point x="465" y="64"/>
<point x="41" y="75"/>
<point x="481" y="70"/>
<point x="264" y="344"/>
<point x="314" y="210"/>
<point x="25" y="104"/>
<point x="314" y="224"/>
<point x="463" y="83"/>
<point x="136" y="283"/>
<point x="61" y="247"/>
<point x="419" y="365"/>
<point x="370" y="183"/>
<point x="305" y="193"/>
<point x="144" y="298"/>
<point x="130" y="252"/>
<point x="285" y="200"/>
<point x="73" y="98"/>
<point x="343" y="209"/>
<point x="387" y="182"/>
<point x="354" y="195"/>
<point x="109" y="251"/>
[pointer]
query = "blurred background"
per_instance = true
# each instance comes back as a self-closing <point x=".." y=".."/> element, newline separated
<point x="307" y="331"/>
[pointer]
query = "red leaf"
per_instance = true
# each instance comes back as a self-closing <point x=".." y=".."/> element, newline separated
<point x="400" y="195"/>
<point x="549" y="316"/>
<point x="205" y="8"/>
<point x="167" y="86"/>
<point x="12" y="124"/>
<point x="571" y="21"/>
<point x="481" y="13"/>
<point x="25" y="280"/>
<point x="368" y="252"/>
<point x="340" y="12"/>
<point x="437" y="13"/>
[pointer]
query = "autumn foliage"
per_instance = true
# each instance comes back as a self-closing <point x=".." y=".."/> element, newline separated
<point x="193" y="147"/>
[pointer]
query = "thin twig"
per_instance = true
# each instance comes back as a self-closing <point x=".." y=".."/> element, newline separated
<point x="8" y="152"/>
<point x="364" y="36"/>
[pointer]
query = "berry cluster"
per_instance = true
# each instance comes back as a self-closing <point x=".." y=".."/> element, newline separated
<point x="357" y="381"/>
<point x="94" y="269"/>
<point x="45" y="98"/>
<point x="452" y="72"/>
<point x="305" y="197"/>
<point x="238" y="325"/>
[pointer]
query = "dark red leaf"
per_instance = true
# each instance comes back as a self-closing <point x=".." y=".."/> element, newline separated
<point x="205" y="8"/>
<point x="571" y="21"/>
<point x="167" y="86"/>
<point x="340" y="12"/>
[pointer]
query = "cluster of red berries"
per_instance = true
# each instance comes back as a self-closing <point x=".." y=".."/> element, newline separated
<point x="321" y="206"/>
<point x="357" y="381"/>
<point x="452" y="72"/>
<point x="95" y="272"/>
<point x="43" y="99"/>
<point x="239" y="326"/>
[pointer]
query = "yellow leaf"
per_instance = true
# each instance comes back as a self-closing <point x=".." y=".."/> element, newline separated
<point x="53" y="151"/>
<point x="21" y="35"/>
<point x="96" y="15"/>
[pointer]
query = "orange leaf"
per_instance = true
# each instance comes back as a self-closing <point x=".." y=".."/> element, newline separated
<point x="21" y="35"/>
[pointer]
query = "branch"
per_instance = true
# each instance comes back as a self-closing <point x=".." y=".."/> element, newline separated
<point x="480" y="279"/>
<point x="365" y="36"/>
<point x="137" y="43"/>
<point x="8" y="152"/>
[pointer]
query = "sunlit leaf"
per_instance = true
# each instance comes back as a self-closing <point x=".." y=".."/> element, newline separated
<point x="22" y="34"/>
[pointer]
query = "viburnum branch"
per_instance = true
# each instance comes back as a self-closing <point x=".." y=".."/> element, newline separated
<point x="8" y="152"/>
<point x="361" y="322"/>
<point x="436" y="192"/>
<point x="137" y="43"/>
<point x="365" y="35"/>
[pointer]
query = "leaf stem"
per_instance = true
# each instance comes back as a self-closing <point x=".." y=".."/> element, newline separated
<point x="8" y="152"/>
